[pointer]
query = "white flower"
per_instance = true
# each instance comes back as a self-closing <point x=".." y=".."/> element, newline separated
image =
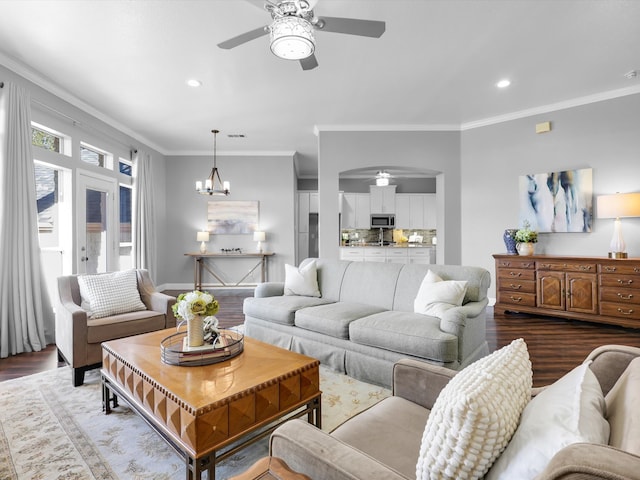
<point x="207" y="297"/>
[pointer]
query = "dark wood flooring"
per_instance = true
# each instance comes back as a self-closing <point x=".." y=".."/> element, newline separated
<point x="555" y="345"/>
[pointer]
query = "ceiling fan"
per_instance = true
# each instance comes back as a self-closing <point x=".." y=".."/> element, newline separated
<point x="292" y="30"/>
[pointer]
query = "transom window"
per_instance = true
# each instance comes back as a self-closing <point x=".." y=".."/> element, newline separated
<point x="47" y="140"/>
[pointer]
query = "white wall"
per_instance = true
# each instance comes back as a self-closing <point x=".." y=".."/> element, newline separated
<point x="268" y="179"/>
<point x="604" y="136"/>
<point x="436" y="151"/>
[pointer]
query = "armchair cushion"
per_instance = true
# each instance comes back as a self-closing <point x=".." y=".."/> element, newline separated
<point x="107" y="294"/>
<point x="475" y="415"/>
<point x="569" y="411"/>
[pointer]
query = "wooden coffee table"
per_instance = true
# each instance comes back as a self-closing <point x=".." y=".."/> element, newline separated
<point x="207" y="413"/>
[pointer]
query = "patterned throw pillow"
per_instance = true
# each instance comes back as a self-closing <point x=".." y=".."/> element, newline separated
<point x="107" y="294"/>
<point x="475" y="415"/>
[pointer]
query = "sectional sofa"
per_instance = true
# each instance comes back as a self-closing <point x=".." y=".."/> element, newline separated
<point x="364" y="321"/>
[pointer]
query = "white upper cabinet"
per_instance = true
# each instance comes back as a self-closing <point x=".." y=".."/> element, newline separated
<point x="416" y="211"/>
<point x="313" y="202"/>
<point x="403" y="210"/>
<point x="303" y="212"/>
<point x="383" y="199"/>
<point x="430" y="211"/>
<point x="363" y="213"/>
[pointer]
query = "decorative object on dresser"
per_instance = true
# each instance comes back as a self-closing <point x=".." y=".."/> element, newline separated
<point x="595" y="289"/>
<point x="525" y="238"/>
<point x="510" y="241"/>
<point x="617" y="206"/>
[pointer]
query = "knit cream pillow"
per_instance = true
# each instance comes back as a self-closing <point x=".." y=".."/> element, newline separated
<point x="475" y="415"/>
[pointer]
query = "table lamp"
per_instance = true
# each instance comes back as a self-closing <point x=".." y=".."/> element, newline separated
<point x="203" y="237"/>
<point x="617" y="206"/>
<point x="259" y="237"/>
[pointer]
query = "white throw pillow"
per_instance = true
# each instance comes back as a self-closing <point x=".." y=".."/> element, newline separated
<point x="301" y="281"/>
<point x="475" y="415"/>
<point x="435" y="296"/>
<point x="107" y="294"/>
<point x="569" y="411"/>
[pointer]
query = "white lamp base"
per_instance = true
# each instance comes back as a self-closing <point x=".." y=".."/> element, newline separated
<point x="259" y="247"/>
<point x="617" y="247"/>
<point x="203" y="247"/>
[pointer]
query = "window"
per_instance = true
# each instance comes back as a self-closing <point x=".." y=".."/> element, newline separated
<point x="47" y="140"/>
<point x="47" y="201"/>
<point x="126" y="245"/>
<point x="92" y="156"/>
<point x="126" y="167"/>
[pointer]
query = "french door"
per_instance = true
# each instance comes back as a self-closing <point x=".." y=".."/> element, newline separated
<point x="97" y="226"/>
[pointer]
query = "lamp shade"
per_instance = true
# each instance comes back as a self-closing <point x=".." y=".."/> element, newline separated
<point x="292" y="38"/>
<point x="259" y="236"/>
<point x="618" y="205"/>
<point x="202" y="236"/>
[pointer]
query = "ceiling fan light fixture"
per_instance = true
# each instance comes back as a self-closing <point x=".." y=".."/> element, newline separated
<point x="292" y="38"/>
<point x="382" y="178"/>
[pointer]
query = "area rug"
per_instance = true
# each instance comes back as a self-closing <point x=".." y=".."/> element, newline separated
<point x="51" y="430"/>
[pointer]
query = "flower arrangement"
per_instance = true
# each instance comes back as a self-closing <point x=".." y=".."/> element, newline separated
<point x="525" y="234"/>
<point x="188" y="305"/>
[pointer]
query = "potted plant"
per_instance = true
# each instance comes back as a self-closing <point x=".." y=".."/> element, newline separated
<point x="526" y="238"/>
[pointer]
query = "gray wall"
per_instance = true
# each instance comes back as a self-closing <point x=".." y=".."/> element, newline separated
<point x="604" y="136"/>
<point x="268" y="179"/>
<point x="435" y="151"/>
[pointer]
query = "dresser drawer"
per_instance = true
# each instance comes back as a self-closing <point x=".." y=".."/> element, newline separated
<point x="517" y="285"/>
<point x="504" y="263"/>
<point x="517" y="298"/>
<point x="622" y="281"/>
<point x="621" y="311"/>
<point x="568" y="267"/>
<point x="517" y="274"/>
<point x="619" y="295"/>
<point x="620" y="268"/>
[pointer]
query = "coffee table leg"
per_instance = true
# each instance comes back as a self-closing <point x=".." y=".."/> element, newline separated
<point x="315" y="410"/>
<point x="204" y="464"/>
<point x="108" y="397"/>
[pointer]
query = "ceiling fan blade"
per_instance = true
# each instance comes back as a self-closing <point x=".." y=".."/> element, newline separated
<point x="243" y="38"/>
<point x="257" y="3"/>
<point x="352" y="26"/>
<point x="309" y="63"/>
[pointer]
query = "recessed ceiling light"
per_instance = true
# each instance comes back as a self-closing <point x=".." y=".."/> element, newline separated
<point x="194" y="83"/>
<point x="503" y="83"/>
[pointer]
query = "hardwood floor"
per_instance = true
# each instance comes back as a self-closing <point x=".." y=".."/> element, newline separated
<point x="555" y="345"/>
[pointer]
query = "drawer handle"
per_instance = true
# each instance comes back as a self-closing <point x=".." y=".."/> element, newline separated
<point x="515" y="274"/>
<point x="545" y="265"/>
<point x="636" y="269"/>
<point x="505" y="264"/>
<point x="518" y="287"/>
<point x="526" y="265"/>
<point x="628" y="312"/>
<point x="626" y="297"/>
<point x="519" y="299"/>
<point x="625" y="282"/>
<point x="610" y="269"/>
<point x="585" y="267"/>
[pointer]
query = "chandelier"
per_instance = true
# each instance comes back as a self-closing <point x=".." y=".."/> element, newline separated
<point x="214" y="184"/>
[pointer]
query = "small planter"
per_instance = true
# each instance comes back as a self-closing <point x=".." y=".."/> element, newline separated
<point x="525" y="248"/>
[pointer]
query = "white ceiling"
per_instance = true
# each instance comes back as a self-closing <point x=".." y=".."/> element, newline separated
<point x="435" y="66"/>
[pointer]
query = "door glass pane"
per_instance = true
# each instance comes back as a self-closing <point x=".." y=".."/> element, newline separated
<point x="96" y="232"/>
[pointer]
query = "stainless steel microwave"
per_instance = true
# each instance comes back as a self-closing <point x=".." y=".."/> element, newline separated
<point x="383" y="220"/>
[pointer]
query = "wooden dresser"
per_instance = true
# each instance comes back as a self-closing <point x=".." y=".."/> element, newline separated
<point x="595" y="289"/>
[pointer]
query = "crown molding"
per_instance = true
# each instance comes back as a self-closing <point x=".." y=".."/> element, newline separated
<point x="385" y="128"/>
<point x="232" y="153"/>
<point x="34" y="77"/>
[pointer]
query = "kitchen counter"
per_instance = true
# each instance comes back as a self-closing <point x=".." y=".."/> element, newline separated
<point x="396" y="253"/>
<point x="395" y="245"/>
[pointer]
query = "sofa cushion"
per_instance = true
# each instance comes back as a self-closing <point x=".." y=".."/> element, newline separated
<point x="106" y="294"/>
<point x="407" y="333"/>
<point x="333" y="319"/>
<point x="622" y="405"/>
<point x="475" y="415"/>
<point x="571" y="410"/>
<point x="279" y="309"/>
<point x="124" y="325"/>
<point x="301" y="280"/>
<point x="371" y="283"/>
<point x="400" y="421"/>
<point x="436" y="296"/>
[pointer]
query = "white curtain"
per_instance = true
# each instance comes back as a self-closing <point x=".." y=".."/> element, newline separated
<point x="26" y="316"/>
<point x="144" y="220"/>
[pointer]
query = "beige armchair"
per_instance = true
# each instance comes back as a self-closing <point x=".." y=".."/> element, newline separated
<point x="79" y="338"/>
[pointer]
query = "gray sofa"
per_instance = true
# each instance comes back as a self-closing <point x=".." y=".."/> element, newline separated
<point x="364" y="322"/>
<point x="383" y="442"/>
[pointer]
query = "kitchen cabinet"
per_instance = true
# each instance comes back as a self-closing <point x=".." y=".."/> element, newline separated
<point x="595" y="289"/>
<point x="303" y="212"/>
<point x="363" y="212"/>
<point x="355" y="211"/>
<point x="302" y="247"/>
<point x="383" y="199"/>
<point x="387" y="254"/>
<point x="416" y="211"/>
<point x="313" y="202"/>
<point x="420" y="255"/>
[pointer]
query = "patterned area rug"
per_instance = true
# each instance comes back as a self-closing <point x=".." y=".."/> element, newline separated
<point x="50" y="430"/>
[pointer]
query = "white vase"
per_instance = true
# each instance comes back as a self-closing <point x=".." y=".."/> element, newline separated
<point x="525" y="248"/>
<point x="195" y="331"/>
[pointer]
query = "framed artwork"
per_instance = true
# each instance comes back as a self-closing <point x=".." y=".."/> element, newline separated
<point x="229" y="217"/>
<point x="557" y="201"/>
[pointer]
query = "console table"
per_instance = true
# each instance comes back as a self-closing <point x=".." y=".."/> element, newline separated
<point x="595" y="289"/>
<point x="201" y="262"/>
